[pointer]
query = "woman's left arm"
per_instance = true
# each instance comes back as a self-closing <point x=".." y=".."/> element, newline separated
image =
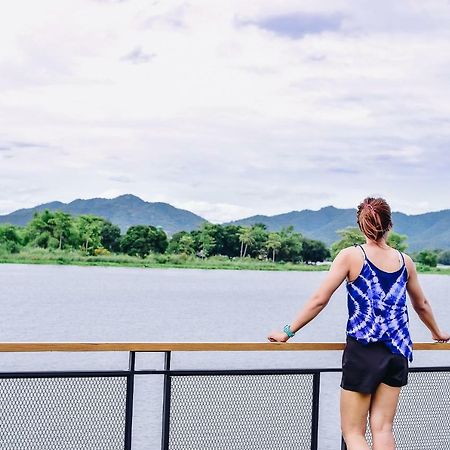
<point x="336" y="275"/>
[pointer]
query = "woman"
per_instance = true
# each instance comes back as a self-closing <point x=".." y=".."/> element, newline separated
<point x="379" y="347"/>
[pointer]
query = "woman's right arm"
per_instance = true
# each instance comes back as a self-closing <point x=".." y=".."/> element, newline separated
<point x="421" y="305"/>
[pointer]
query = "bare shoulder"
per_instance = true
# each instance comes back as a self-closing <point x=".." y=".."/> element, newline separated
<point x="348" y="253"/>
<point x="410" y="264"/>
<point x="353" y="250"/>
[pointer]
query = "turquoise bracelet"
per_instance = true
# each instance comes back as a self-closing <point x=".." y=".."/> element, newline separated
<point x="288" y="331"/>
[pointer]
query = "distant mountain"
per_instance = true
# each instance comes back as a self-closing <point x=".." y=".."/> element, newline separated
<point x="124" y="211"/>
<point x="428" y="230"/>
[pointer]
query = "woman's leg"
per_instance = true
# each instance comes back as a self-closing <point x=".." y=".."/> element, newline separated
<point x="354" y="409"/>
<point x="382" y="412"/>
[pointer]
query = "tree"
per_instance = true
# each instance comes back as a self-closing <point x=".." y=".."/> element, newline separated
<point x="427" y="258"/>
<point x="227" y="243"/>
<point x="260" y="235"/>
<point x="444" y="258"/>
<point x="160" y="239"/>
<point x="349" y="237"/>
<point x="353" y="235"/>
<point x="397" y="241"/>
<point x="291" y="244"/>
<point x="89" y="228"/>
<point x="62" y="224"/>
<point x="142" y="240"/>
<point x="187" y="244"/>
<point x="207" y="243"/>
<point x="226" y="238"/>
<point x="174" y="243"/>
<point x="40" y="230"/>
<point x="10" y="238"/>
<point x="205" y="239"/>
<point x="51" y="229"/>
<point x="314" y="251"/>
<point x="110" y="236"/>
<point x="273" y="243"/>
<point x="246" y="239"/>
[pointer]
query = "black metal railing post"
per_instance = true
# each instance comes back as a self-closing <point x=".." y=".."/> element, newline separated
<point x="315" y="412"/>
<point x="166" y="403"/>
<point x="129" y="401"/>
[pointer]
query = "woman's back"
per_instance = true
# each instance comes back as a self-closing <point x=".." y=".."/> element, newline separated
<point x="386" y="259"/>
<point x="377" y="309"/>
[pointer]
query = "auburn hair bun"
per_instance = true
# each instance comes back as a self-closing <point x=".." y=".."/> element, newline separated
<point x="374" y="217"/>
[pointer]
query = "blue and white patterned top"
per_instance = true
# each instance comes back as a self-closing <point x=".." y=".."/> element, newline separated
<point x="377" y="308"/>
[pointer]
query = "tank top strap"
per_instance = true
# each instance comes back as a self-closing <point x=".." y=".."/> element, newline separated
<point x="403" y="258"/>
<point x="361" y="247"/>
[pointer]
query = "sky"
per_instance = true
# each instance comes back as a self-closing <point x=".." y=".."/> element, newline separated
<point x="226" y="108"/>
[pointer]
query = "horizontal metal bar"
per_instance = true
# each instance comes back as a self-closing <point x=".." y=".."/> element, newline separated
<point x="187" y="346"/>
<point x="191" y="372"/>
<point x="430" y="369"/>
<point x="65" y="374"/>
<point x="206" y="372"/>
<point x="187" y="372"/>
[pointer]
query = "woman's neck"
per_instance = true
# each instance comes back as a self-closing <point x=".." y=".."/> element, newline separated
<point x="380" y="244"/>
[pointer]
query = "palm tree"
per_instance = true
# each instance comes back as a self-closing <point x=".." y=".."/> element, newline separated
<point x="246" y="239"/>
<point x="273" y="242"/>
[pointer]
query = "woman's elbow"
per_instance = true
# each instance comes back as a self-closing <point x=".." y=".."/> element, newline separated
<point x="320" y="301"/>
<point x="420" y="306"/>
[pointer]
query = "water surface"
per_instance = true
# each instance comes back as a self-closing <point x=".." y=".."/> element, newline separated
<point x="105" y="304"/>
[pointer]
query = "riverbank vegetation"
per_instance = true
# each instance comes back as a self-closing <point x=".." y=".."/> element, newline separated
<point x="60" y="238"/>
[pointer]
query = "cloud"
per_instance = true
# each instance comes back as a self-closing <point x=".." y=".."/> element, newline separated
<point x="343" y="170"/>
<point x="12" y="148"/>
<point x="298" y="25"/>
<point x="231" y="108"/>
<point x="138" y="56"/>
<point x="216" y="212"/>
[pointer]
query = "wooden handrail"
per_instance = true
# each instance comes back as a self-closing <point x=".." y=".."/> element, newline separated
<point x="186" y="346"/>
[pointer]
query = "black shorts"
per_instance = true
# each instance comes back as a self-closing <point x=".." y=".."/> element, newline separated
<point x="364" y="367"/>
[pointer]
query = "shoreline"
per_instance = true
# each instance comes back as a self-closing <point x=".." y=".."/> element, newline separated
<point x="206" y="265"/>
<point x="200" y="264"/>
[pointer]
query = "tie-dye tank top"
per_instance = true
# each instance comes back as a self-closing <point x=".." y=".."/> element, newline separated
<point x="377" y="308"/>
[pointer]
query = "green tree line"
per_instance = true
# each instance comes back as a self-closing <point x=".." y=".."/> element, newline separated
<point x="92" y="235"/>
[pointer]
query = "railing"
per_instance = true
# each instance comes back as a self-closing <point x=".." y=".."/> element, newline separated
<point x="202" y="409"/>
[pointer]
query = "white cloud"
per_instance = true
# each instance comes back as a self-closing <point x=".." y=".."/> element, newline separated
<point x="220" y="112"/>
<point x="216" y="212"/>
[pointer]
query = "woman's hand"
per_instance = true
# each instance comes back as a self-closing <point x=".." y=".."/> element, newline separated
<point x="442" y="336"/>
<point x="276" y="336"/>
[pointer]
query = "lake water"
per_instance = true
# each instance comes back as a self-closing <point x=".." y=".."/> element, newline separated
<point x="69" y="303"/>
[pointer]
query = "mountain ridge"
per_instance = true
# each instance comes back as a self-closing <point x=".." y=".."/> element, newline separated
<point x="425" y="230"/>
<point x="125" y="210"/>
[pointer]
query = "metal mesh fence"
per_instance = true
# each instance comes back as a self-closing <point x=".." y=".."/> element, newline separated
<point x="67" y="413"/>
<point x="241" y="412"/>
<point x="422" y="421"/>
<point x="220" y="411"/>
